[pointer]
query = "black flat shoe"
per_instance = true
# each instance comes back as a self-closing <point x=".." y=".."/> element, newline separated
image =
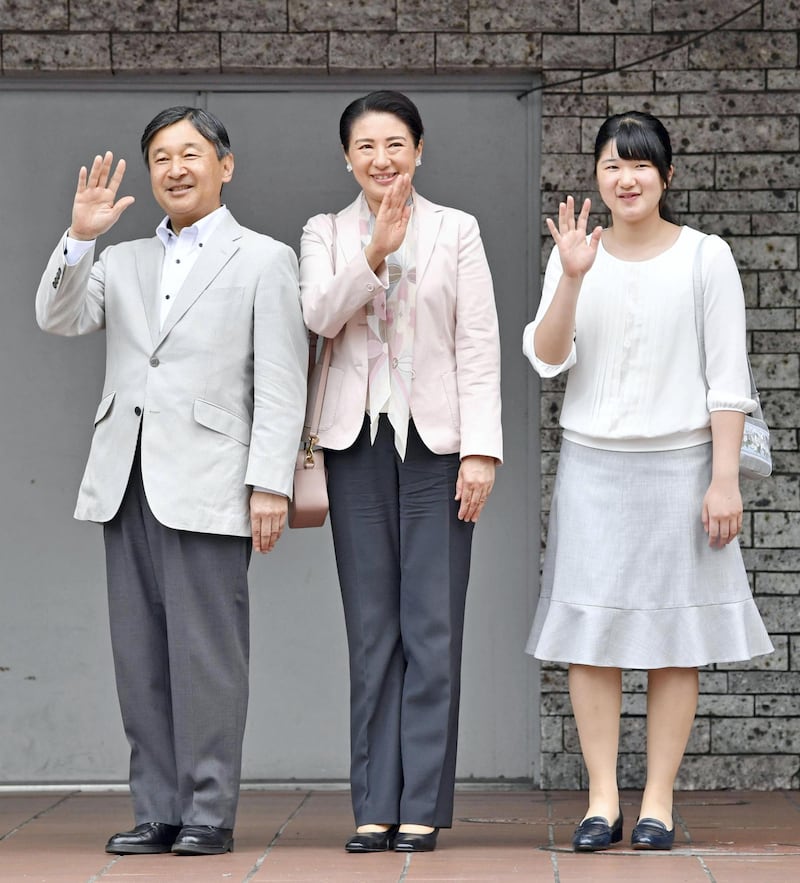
<point x="372" y="841"/>
<point x="149" y="837"/>
<point x="594" y="834"/>
<point x="203" y="840"/>
<point x="416" y="842"/>
<point x="652" y="834"/>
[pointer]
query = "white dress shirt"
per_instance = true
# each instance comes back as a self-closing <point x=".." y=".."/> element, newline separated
<point x="180" y="254"/>
<point x="634" y="380"/>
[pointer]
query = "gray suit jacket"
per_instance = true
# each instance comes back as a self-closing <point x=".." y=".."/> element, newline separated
<point x="219" y="392"/>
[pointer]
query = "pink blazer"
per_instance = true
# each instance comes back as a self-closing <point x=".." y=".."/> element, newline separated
<point x="455" y="396"/>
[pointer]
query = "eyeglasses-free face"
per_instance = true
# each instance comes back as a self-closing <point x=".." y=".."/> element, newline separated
<point x="381" y="148"/>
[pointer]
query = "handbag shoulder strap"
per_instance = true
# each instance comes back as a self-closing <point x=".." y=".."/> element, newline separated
<point x="699" y="324"/>
<point x="327" y="348"/>
<point x="699" y="306"/>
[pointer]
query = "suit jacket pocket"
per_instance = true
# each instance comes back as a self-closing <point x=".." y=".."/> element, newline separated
<point x="221" y="420"/>
<point x="104" y="407"/>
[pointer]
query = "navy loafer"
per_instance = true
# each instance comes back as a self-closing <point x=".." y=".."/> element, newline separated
<point x="416" y="842"/>
<point x="372" y="841"/>
<point x="652" y="834"/>
<point x="594" y="834"/>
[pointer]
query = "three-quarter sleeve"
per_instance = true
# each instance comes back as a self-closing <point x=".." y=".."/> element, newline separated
<point x="725" y="332"/>
<point x="552" y="277"/>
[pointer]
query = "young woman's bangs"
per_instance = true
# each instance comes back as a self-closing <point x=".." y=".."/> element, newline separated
<point x="637" y="142"/>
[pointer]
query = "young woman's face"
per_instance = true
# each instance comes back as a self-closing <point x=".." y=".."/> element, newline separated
<point x="381" y="148"/>
<point x="631" y="188"/>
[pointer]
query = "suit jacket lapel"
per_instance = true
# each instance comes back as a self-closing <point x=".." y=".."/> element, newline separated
<point x="348" y="236"/>
<point x="215" y="255"/>
<point x="429" y="221"/>
<point x="149" y="261"/>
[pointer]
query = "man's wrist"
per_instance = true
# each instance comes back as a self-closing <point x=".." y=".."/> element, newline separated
<point x="71" y="234"/>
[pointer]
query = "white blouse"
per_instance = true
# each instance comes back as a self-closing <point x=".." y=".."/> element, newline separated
<point x="635" y="382"/>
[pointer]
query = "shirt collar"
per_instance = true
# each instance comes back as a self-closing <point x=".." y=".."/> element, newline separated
<point x="200" y="231"/>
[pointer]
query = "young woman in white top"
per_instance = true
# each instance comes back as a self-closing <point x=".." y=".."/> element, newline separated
<point x="642" y="569"/>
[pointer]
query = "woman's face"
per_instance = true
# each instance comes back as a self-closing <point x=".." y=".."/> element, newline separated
<point x="381" y="148"/>
<point x="631" y="188"/>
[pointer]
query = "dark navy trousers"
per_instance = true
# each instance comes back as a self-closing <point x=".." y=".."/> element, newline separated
<point x="403" y="561"/>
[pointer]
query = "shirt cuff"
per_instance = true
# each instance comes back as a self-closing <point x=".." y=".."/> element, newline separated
<point x="719" y="400"/>
<point x="75" y="249"/>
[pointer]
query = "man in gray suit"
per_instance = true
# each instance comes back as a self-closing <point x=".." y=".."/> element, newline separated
<point x="191" y="462"/>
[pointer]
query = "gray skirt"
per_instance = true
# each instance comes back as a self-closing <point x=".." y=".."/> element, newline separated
<point x="629" y="579"/>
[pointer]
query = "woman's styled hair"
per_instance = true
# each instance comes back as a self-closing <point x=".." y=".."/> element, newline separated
<point x="384" y="101"/>
<point x="205" y="123"/>
<point x="639" y="135"/>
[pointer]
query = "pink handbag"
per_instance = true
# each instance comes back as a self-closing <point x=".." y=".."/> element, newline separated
<point x="309" y="504"/>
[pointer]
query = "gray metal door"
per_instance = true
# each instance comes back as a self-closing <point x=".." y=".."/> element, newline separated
<point x="58" y="715"/>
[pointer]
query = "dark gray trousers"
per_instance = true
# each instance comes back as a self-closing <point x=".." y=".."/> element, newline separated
<point x="403" y="561"/>
<point x="179" y="612"/>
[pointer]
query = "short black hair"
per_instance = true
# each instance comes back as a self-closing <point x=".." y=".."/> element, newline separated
<point x="382" y="101"/>
<point x="638" y="135"/>
<point x="205" y="123"/>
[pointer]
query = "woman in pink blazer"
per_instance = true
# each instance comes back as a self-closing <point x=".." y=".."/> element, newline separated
<point x="411" y="428"/>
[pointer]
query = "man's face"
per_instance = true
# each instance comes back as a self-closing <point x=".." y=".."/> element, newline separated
<point x="185" y="173"/>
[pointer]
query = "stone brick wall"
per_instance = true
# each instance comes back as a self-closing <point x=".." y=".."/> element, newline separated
<point x="730" y="98"/>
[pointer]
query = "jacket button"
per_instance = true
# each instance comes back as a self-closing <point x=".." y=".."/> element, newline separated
<point x="137" y="411"/>
<point x="154" y="362"/>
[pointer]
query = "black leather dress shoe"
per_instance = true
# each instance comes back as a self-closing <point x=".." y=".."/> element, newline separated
<point x="203" y="840"/>
<point x="652" y="834"/>
<point x="372" y="841"/>
<point x="149" y="837"/>
<point x="416" y="842"/>
<point x="594" y="834"/>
